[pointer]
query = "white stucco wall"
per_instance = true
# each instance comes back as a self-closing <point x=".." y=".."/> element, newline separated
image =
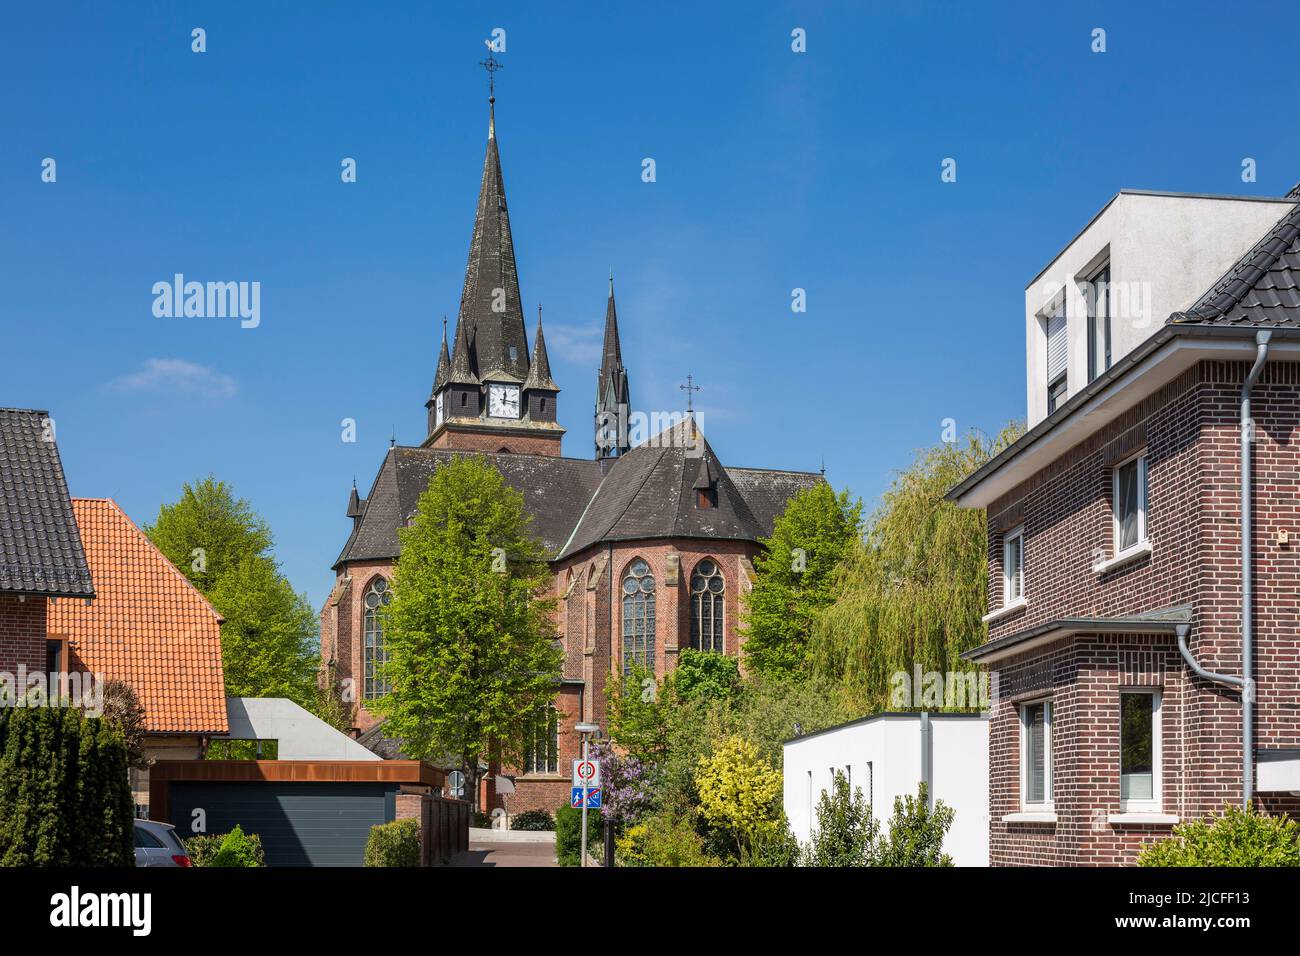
<point x="1165" y="251"/>
<point x="882" y="756"/>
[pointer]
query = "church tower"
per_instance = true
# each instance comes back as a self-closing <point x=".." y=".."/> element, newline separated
<point x="487" y="395"/>
<point x="613" y="397"/>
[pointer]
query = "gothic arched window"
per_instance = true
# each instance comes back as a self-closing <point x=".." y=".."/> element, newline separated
<point x="707" y="588"/>
<point x="638" y="617"/>
<point x="377" y="595"/>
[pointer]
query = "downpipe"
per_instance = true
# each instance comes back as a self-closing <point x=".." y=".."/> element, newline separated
<point x="1245" y="684"/>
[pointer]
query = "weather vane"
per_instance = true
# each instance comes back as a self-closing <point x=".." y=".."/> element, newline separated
<point x="491" y="64"/>
<point x="689" y="388"/>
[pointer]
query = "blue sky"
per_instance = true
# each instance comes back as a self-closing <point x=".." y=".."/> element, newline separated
<point x="775" y="170"/>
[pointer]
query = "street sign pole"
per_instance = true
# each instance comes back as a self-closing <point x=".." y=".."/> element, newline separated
<point x="584" y="803"/>
<point x="587" y="775"/>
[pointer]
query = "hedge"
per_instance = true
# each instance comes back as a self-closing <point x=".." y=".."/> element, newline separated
<point x="204" y="848"/>
<point x="65" y="795"/>
<point x="394" y="844"/>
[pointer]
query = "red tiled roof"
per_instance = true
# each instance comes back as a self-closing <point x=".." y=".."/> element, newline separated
<point x="147" y="625"/>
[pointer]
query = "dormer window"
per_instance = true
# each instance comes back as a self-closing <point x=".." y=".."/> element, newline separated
<point x="706" y="497"/>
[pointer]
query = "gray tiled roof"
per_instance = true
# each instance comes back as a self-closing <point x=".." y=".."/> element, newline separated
<point x="1262" y="289"/>
<point x="40" y="547"/>
<point x="648" y="493"/>
<point x="555" y="491"/>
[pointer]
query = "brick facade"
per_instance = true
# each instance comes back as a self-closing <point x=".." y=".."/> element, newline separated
<point x="22" y="632"/>
<point x="588" y="622"/>
<point x="1189" y="430"/>
<point x="515" y="441"/>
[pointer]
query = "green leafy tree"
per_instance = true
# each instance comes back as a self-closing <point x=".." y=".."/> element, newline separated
<point x="846" y="831"/>
<point x="1237" y="838"/>
<point x="704" y="675"/>
<point x="471" y="651"/>
<point x="209" y="532"/>
<point x="913" y="592"/>
<point x="268" y="640"/>
<point x="794" y="579"/>
<point x="640" y="710"/>
<point x="916" y="832"/>
<point x="739" y="792"/>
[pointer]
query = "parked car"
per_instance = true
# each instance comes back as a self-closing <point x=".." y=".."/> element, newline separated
<point x="156" y="844"/>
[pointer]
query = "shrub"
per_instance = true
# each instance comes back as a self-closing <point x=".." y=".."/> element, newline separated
<point x="203" y="847"/>
<point x="394" y="844"/>
<point x="568" y="835"/>
<point x="65" y="797"/>
<point x="238" y="850"/>
<point x="739" y="791"/>
<point x="482" y="821"/>
<point x="1238" y="838"/>
<point x="916" y="833"/>
<point x="662" y="840"/>
<point x="846" y="831"/>
<point x="534" y="820"/>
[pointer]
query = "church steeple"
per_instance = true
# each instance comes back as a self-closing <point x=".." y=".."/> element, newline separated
<point x="613" y="396"/>
<point x="486" y="394"/>
<point x="490" y="308"/>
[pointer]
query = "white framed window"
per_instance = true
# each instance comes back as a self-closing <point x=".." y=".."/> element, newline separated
<point x="1139" y="750"/>
<point x="1129" y="503"/>
<point x="1013" y="566"/>
<point x="1036" y="755"/>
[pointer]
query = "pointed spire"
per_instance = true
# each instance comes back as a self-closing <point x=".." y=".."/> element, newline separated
<point x="356" y="504"/>
<point x="462" y="365"/>
<point x="539" y="372"/>
<point x="444" y="362"/>
<point x="613" y="396"/>
<point x="489" y="301"/>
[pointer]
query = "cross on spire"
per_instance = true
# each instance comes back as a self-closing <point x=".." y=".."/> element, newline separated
<point x="689" y="388"/>
<point x="491" y="64"/>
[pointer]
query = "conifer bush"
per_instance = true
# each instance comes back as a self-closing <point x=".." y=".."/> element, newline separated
<point x="65" y="797"/>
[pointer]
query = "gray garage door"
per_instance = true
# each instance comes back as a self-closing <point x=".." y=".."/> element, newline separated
<point x="301" y="824"/>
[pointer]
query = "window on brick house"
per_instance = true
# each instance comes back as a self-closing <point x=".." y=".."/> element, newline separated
<point x="707" y="588"/>
<point x="1129" y="497"/>
<point x="1139" y="750"/>
<point x="543" y="752"/>
<point x="1036" y="755"/>
<point x="638" y="617"/>
<point x="377" y="595"/>
<point x="1013" y="566"/>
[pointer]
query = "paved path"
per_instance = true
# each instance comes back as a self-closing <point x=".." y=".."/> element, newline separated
<point x="484" y="853"/>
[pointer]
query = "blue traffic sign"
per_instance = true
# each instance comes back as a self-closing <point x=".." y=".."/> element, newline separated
<point x="593" y="798"/>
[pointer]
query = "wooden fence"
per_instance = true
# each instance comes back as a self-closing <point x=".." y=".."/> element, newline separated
<point x="444" y="829"/>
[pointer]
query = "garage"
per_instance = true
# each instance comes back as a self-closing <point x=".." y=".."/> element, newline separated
<point x="307" y="813"/>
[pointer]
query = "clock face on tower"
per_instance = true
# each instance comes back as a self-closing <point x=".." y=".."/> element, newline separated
<point x="503" y="401"/>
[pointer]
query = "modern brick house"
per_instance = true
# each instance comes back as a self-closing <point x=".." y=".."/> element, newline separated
<point x="41" y="558"/>
<point x="651" y="545"/>
<point x="149" y="627"/>
<point x="1163" y="359"/>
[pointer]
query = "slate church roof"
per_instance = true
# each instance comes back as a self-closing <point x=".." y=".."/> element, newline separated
<point x="40" y="549"/>
<point x="647" y="493"/>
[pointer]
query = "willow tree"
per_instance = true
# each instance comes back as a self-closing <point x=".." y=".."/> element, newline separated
<point x="911" y="593"/>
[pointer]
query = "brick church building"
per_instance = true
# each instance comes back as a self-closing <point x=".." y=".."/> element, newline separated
<point x="651" y="546"/>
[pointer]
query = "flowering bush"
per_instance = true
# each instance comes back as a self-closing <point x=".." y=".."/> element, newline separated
<point x="627" y="790"/>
